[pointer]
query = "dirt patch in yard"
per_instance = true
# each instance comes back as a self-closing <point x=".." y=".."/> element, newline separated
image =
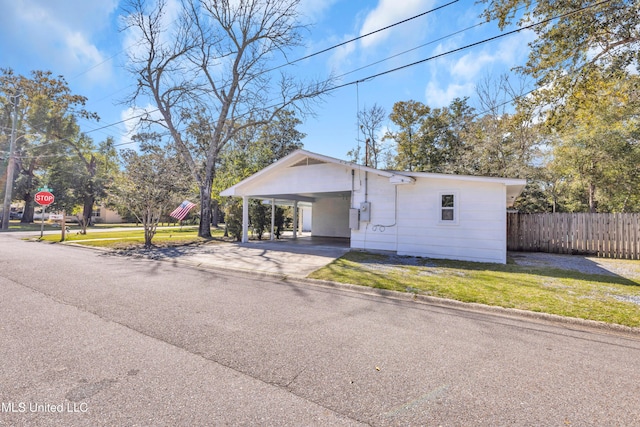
<point x="629" y="269"/>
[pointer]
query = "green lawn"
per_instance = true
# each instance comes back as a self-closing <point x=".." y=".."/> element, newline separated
<point x="16" y="225"/>
<point x="134" y="238"/>
<point x="610" y="299"/>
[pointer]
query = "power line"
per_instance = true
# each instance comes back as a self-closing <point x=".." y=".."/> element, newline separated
<point x="468" y="46"/>
<point x="508" y="33"/>
<point x="355" y="39"/>
<point x="371" y="77"/>
<point x="366" y="35"/>
<point x="106" y="60"/>
<point x="275" y="68"/>
<point x="412" y="49"/>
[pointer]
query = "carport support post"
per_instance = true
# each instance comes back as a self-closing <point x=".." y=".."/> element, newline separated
<point x="273" y="217"/>
<point x="295" y="219"/>
<point x="245" y="219"/>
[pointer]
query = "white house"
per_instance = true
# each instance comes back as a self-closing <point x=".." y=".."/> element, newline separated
<point x="409" y="213"/>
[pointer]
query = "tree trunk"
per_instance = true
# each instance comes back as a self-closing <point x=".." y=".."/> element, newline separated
<point x="148" y="236"/>
<point x="150" y="224"/>
<point x="215" y="214"/>
<point x="27" y="213"/>
<point x="592" y="198"/>
<point x="204" y="229"/>
<point x="87" y="210"/>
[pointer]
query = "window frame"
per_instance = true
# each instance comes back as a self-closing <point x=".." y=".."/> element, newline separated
<point x="454" y="208"/>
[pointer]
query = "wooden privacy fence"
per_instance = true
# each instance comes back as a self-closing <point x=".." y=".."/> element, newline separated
<point x="603" y="235"/>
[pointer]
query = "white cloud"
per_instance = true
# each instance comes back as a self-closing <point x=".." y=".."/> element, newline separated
<point x="437" y="96"/>
<point x="389" y="12"/>
<point x="82" y="48"/>
<point x="312" y="10"/>
<point x="469" y="66"/>
<point x="508" y="52"/>
<point x="451" y="78"/>
<point x="57" y="35"/>
<point x="131" y="118"/>
<point x="342" y="57"/>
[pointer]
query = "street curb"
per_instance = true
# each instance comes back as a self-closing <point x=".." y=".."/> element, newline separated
<point x="477" y="307"/>
<point x="402" y="296"/>
<point x="430" y="300"/>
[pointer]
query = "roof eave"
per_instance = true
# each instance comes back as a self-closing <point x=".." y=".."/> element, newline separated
<point x="293" y="158"/>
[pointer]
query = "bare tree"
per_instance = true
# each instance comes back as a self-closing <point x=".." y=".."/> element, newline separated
<point x="370" y="121"/>
<point x="505" y="140"/>
<point x="210" y="67"/>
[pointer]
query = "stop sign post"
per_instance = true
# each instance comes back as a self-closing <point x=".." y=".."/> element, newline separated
<point x="44" y="198"/>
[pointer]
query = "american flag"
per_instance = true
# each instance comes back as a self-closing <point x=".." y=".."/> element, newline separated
<point x="181" y="211"/>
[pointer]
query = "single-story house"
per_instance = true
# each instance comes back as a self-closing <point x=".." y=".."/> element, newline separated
<point x="408" y="213"/>
<point x="102" y="214"/>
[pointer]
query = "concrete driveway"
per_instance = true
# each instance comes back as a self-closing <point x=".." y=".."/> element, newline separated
<point x="286" y="257"/>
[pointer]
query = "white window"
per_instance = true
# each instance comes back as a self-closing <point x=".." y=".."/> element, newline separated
<point x="448" y="208"/>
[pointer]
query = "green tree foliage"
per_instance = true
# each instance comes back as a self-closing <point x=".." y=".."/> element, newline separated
<point x="253" y="149"/>
<point x="153" y="182"/>
<point x="455" y="139"/>
<point x="583" y="65"/>
<point x="408" y="117"/>
<point x="445" y="133"/>
<point x="46" y="116"/>
<point x="503" y="141"/>
<point x="233" y="219"/>
<point x="281" y="136"/>
<point x="596" y="145"/>
<point x="81" y="176"/>
<point x="588" y="35"/>
<point x="260" y="217"/>
<point x="432" y="139"/>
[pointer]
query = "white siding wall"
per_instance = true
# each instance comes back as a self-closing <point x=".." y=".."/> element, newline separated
<point x="479" y="234"/>
<point x="305" y="214"/>
<point x="379" y="233"/>
<point x="325" y="177"/>
<point x="330" y="217"/>
<point x="413" y="227"/>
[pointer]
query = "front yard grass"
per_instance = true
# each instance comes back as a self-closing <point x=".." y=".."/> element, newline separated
<point x="611" y="299"/>
<point x="122" y="239"/>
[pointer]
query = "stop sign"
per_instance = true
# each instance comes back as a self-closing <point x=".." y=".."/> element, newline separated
<point x="44" y="198"/>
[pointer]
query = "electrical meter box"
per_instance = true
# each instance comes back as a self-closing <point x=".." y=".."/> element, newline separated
<point x="354" y="219"/>
<point x="365" y="211"/>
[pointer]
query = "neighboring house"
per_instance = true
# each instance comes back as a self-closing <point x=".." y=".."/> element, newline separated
<point x="409" y="213"/>
<point x="104" y="215"/>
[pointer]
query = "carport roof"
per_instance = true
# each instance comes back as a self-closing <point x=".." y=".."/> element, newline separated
<point x="300" y="157"/>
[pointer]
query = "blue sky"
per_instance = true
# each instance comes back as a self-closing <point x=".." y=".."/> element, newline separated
<point x="80" y="40"/>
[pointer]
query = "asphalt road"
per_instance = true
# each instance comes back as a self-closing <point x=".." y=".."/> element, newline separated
<point x="110" y="340"/>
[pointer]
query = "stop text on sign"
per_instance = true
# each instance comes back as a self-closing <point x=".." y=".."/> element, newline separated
<point x="44" y="198"/>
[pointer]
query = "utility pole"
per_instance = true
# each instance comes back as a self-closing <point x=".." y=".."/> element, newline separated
<point x="6" y="207"/>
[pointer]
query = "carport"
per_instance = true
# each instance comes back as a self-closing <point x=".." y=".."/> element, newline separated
<point x="329" y="215"/>
<point x="305" y="179"/>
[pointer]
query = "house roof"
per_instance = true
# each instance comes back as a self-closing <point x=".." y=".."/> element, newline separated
<point x="300" y="157"/>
